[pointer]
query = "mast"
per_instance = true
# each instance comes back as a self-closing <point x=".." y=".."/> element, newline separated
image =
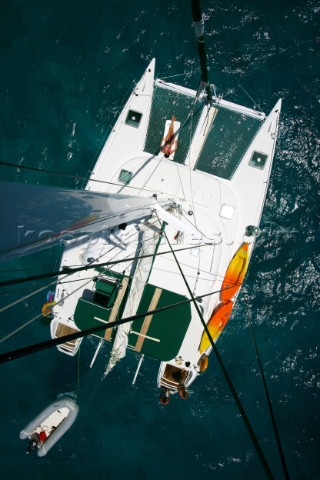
<point x="198" y="24"/>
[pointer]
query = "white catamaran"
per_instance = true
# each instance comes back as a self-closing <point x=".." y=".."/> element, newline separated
<point x="163" y="231"/>
<point x="208" y="163"/>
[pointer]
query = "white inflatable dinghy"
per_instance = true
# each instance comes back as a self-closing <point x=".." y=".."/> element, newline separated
<point x="48" y="427"/>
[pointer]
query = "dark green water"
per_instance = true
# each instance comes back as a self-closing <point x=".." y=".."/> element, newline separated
<point x="66" y="68"/>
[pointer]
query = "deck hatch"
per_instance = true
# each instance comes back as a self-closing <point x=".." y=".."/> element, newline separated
<point x="125" y="176"/>
<point x="133" y="118"/>
<point x="258" y="160"/>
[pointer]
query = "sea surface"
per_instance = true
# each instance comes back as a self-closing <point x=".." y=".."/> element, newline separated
<point x="66" y="69"/>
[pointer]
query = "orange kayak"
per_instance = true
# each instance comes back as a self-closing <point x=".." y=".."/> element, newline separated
<point x="216" y="324"/>
<point x="235" y="273"/>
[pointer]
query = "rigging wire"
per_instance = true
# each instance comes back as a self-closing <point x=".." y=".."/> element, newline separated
<point x="17" y="330"/>
<point x="67" y="270"/>
<point x="187" y="74"/>
<point x="51" y="283"/>
<point x="189" y="163"/>
<point x="31" y="269"/>
<point x="191" y="190"/>
<point x="255" y="103"/>
<point x="54" y="282"/>
<point x="21" y="327"/>
<point x="274" y="425"/>
<point x="115" y="114"/>
<point x="52" y="172"/>
<point x="78" y="371"/>
<point x="22" y="352"/>
<point x="60" y="282"/>
<point x="236" y="398"/>
<point x="12" y="292"/>
<point x="67" y="175"/>
<point x="39" y="315"/>
<point x="3" y="309"/>
<point x="277" y="436"/>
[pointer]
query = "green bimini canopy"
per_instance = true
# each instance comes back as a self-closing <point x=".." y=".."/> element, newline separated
<point x="157" y="336"/>
<point x="89" y="314"/>
<point x="160" y="335"/>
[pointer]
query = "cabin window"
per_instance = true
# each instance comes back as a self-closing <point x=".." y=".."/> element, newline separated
<point x="133" y="118"/>
<point x="258" y="160"/>
<point x="125" y="176"/>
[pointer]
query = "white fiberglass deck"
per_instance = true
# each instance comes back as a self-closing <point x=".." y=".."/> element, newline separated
<point x="219" y="208"/>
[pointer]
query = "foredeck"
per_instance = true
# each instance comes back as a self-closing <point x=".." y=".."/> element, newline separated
<point x="228" y="140"/>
